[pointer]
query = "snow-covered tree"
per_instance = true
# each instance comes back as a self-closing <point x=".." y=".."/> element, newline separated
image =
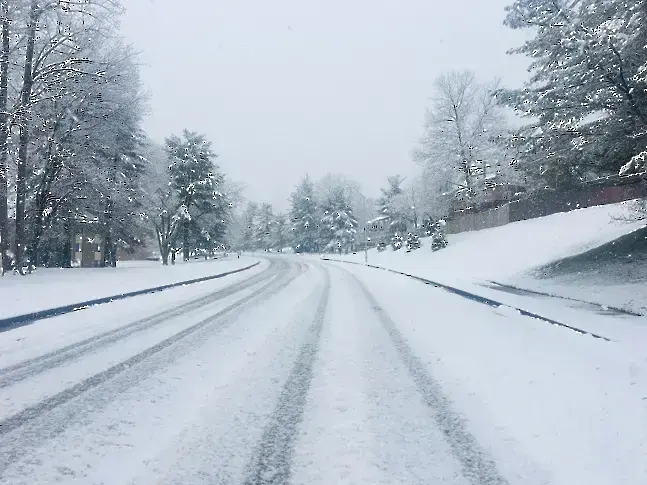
<point x="208" y="233"/>
<point x="338" y="229"/>
<point x="195" y="179"/>
<point x="280" y="232"/>
<point x="86" y="162"/>
<point x="392" y="204"/>
<point x="328" y="185"/>
<point x="171" y="212"/>
<point x="586" y="101"/>
<point x="248" y="233"/>
<point x="167" y="221"/>
<point x="5" y="39"/>
<point x="264" y="227"/>
<point x="637" y="164"/>
<point x="462" y="144"/>
<point x="71" y="126"/>
<point x="233" y="191"/>
<point x="161" y="206"/>
<point x="429" y="196"/>
<point x="304" y="217"/>
<point x="54" y="36"/>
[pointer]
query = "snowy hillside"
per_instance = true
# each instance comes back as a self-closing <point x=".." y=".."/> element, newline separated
<point x="510" y="253"/>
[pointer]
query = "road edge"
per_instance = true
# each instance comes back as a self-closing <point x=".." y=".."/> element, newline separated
<point x="477" y="298"/>
<point x="17" y="321"/>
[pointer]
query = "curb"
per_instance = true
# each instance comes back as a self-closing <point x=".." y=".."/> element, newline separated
<point x="477" y="298"/>
<point x="624" y="311"/>
<point x="21" y="320"/>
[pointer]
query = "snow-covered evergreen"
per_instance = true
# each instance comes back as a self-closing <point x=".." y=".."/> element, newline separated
<point x="263" y="233"/>
<point x="586" y="99"/>
<point x="195" y="179"/>
<point x="390" y="204"/>
<point x="338" y="226"/>
<point x="280" y="232"/>
<point x="304" y="217"/>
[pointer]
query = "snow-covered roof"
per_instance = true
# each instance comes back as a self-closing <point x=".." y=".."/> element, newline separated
<point x="377" y="219"/>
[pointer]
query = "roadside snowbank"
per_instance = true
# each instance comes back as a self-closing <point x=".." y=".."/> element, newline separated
<point x="503" y="252"/>
<point x="48" y="288"/>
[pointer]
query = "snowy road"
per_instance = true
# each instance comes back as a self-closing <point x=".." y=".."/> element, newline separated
<point x="306" y="372"/>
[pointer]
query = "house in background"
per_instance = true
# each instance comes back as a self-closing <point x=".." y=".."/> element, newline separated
<point x="378" y="229"/>
<point x="87" y="245"/>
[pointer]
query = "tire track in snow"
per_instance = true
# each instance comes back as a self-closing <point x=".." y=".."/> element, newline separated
<point x="477" y="466"/>
<point x="31" y="426"/>
<point x="271" y="464"/>
<point x="29" y="368"/>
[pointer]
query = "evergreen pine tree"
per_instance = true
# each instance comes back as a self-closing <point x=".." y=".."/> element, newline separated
<point x="263" y="231"/>
<point x="305" y="224"/>
<point x="387" y="206"/>
<point x="195" y="180"/>
<point x="338" y="226"/>
<point x="280" y="236"/>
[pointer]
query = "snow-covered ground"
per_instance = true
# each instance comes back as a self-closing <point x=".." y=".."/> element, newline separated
<point x="307" y="372"/>
<point x="629" y="296"/>
<point x="317" y="373"/>
<point x="48" y="335"/>
<point x="548" y="405"/>
<point x="49" y="288"/>
<point x="509" y="253"/>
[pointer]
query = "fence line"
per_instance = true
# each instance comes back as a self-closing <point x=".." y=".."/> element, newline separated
<point x="547" y="202"/>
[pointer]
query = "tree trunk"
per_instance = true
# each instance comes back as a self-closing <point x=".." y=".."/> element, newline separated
<point x="113" y="255"/>
<point x="34" y="254"/>
<point x="34" y="245"/>
<point x="69" y="246"/>
<point x="161" y="242"/>
<point x="25" y="100"/>
<point x="110" y="247"/>
<point x="185" y="241"/>
<point x="5" y="261"/>
<point x="107" y="251"/>
<point x="63" y="255"/>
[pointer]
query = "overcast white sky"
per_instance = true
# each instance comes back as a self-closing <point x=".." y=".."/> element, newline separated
<point x="284" y="87"/>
